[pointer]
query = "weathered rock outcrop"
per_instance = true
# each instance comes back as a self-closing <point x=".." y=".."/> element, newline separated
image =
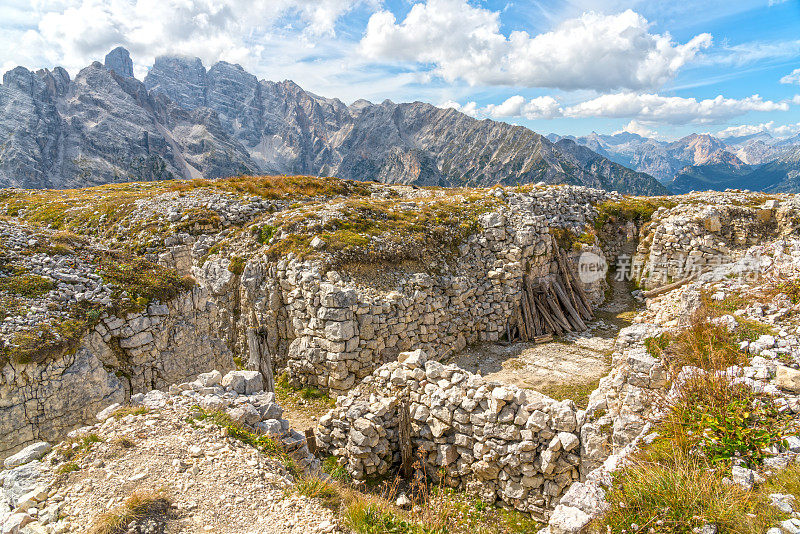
<point x="166" y="344"/>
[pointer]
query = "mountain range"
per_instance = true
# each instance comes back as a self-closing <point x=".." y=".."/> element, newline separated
<point x="186" y="121"/>
<point x="702" y="161"/>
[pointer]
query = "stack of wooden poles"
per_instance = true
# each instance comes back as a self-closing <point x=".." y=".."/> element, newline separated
<point x="551" y="307"/>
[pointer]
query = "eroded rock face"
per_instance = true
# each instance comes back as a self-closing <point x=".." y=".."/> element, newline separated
<point x="166" y="344"/>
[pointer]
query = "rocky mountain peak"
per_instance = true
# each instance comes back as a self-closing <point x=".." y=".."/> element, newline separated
<point x="119" y="60"/>
<point x="188" y="121"/>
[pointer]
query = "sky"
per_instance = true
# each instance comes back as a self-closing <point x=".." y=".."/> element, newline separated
<point x="658" y="68"/>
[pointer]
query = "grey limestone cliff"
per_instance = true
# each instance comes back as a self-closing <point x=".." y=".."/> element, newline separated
<point x="185" y="121"/>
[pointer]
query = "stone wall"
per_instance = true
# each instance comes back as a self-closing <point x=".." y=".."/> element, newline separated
<point x="502" y="442"/>
<point x="330" y="329"/>
<point x="166" y="344"/>
<point x="688" y="239"/>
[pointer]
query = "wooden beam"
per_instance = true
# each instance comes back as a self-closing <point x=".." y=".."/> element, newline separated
<point x="565" y="302"/>
<point x="406" y="450"/>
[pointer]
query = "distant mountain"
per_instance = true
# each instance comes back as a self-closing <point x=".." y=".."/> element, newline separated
<point x="701" y="161"/>
<point x="781" y="175"/>
<point x="186" y="121"/>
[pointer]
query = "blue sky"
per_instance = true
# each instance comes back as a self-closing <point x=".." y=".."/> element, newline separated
<point x="571" y="67"/>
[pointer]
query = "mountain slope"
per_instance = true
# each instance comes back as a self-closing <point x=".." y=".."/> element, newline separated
<point x="185" y="121"/>
<point x="702" y="161"/>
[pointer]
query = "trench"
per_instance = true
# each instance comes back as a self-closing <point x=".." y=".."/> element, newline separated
<point x="569" y="366"/>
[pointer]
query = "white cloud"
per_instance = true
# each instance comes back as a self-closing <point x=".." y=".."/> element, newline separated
<point x="636" y="127"/>
<point x="73" y="32"/>
<point x="644" y="110"/>
<point x="671" y="109"/>
<point x="792" y="77"/>
<point x="776" y="130"/>
<point x="470" y="108"/>
<point x="543" y="107"/>
<point x="593" y="51"/>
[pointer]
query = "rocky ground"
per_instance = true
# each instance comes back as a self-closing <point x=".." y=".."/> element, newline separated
<point x="162" y="445"/>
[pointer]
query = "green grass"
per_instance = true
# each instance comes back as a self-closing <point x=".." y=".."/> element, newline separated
<point x="139" y="281"/>
<point x="368" y="517"/>
<point x="26" y="285"/>
<point x="316" y="488"/>
<point x="199" y="221"/>
<point x="49" y="341"/>
<point x="701" y="344"/>
<point x="263" y="444"/>
<point x="140" y="504"/>
<point x="379" y="230"/>
<point x="679" y="494"/>
<point x="336" y="471"/>
<point x="68" y="467"/>
<point x="237" y="265"/>
<point x="637" y="209"/>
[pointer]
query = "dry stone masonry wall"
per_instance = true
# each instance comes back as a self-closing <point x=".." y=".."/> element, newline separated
<point x="329" y="329"/>
<point x="503" y="442"/>
<point x="691" y="238"/>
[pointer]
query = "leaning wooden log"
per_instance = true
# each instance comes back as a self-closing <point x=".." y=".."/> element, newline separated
<point x="552" y="301"/>
<point x="575" y="302"/>
<point x="577" y="292"/>
<point x="523" y="330"/>
<point x="537" y="324"/>
<point x="567" y="304"/>
<point x="535" y="328"/>
<point x="543" y="339"/>
<point x="554" y="326"/>
<point x="526" y="322"/>
<point x="566" y="275"/>
<point x="586" y="302"/>
<point x="674" y="285"/>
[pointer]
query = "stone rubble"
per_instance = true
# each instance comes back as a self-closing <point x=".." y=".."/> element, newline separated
<point x="204" y="472"/>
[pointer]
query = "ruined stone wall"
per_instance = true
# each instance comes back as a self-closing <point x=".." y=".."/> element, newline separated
<point x="688" y="239"/>
<point x="501" y="442"/>
<point x="166" y="344"/>
<point x="330" y="329"/>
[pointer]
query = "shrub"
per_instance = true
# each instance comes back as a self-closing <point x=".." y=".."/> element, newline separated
<point x="264" y="233"/>
<point x="721" y="420"/>
<point x="237" y="265"/>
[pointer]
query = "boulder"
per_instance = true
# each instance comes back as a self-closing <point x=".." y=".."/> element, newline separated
<point x="243" y="382"/>
<point x="568" y="520"/>
<point x="28" y="454"/>
<point x="787" y="378"/>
